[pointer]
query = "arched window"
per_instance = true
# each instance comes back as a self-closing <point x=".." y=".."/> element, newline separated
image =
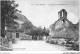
<point x="62" y="14"/>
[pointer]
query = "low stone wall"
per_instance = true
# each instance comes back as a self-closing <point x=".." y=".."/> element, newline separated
<point x="2" y="48"/>
<point x="4" y="44"/>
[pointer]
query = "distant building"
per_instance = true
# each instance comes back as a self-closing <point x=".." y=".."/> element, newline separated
<point x="63" y="28"/>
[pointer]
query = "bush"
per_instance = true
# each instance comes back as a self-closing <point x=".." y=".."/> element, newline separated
<point x="13" y="41"/>
<point x="52" y="41"/>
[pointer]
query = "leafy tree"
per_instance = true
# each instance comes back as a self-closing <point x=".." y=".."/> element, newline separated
<point x="45" y="32"/>
<point x="8" y="8"/>
<point x="27" y="25"/>
<point x="36" y="32"/>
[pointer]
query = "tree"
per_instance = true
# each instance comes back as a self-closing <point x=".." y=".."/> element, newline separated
<point x="27" y="25"/>
<point x="8" y="8"/>
<point x="36" y="32"/>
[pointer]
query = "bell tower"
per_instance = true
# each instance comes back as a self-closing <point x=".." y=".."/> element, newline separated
<point x="62" y="13"/>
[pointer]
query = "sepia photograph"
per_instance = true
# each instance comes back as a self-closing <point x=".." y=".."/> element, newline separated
<point x="39" y="25"/>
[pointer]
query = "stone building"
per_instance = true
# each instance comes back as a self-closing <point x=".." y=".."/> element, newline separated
<point x="63" y="28"/>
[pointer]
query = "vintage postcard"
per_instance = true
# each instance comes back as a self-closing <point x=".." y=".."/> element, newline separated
<point x="39" y="25"/>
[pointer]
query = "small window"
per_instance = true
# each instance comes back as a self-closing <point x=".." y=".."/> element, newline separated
<point x="63" y="20"/>
<point x="62" y="14"/>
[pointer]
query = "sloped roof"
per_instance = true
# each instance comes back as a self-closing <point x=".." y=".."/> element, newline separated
<point x="21" y="17"/>
<point x="52" y="27"/>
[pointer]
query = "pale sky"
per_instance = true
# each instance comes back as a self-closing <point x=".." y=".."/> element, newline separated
<point x="45" y="12"/>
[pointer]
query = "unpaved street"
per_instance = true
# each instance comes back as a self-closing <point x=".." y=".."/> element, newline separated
<point x="36" y="46"/>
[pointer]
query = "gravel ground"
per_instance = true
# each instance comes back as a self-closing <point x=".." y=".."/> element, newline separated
<point x="36" y="46"/>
